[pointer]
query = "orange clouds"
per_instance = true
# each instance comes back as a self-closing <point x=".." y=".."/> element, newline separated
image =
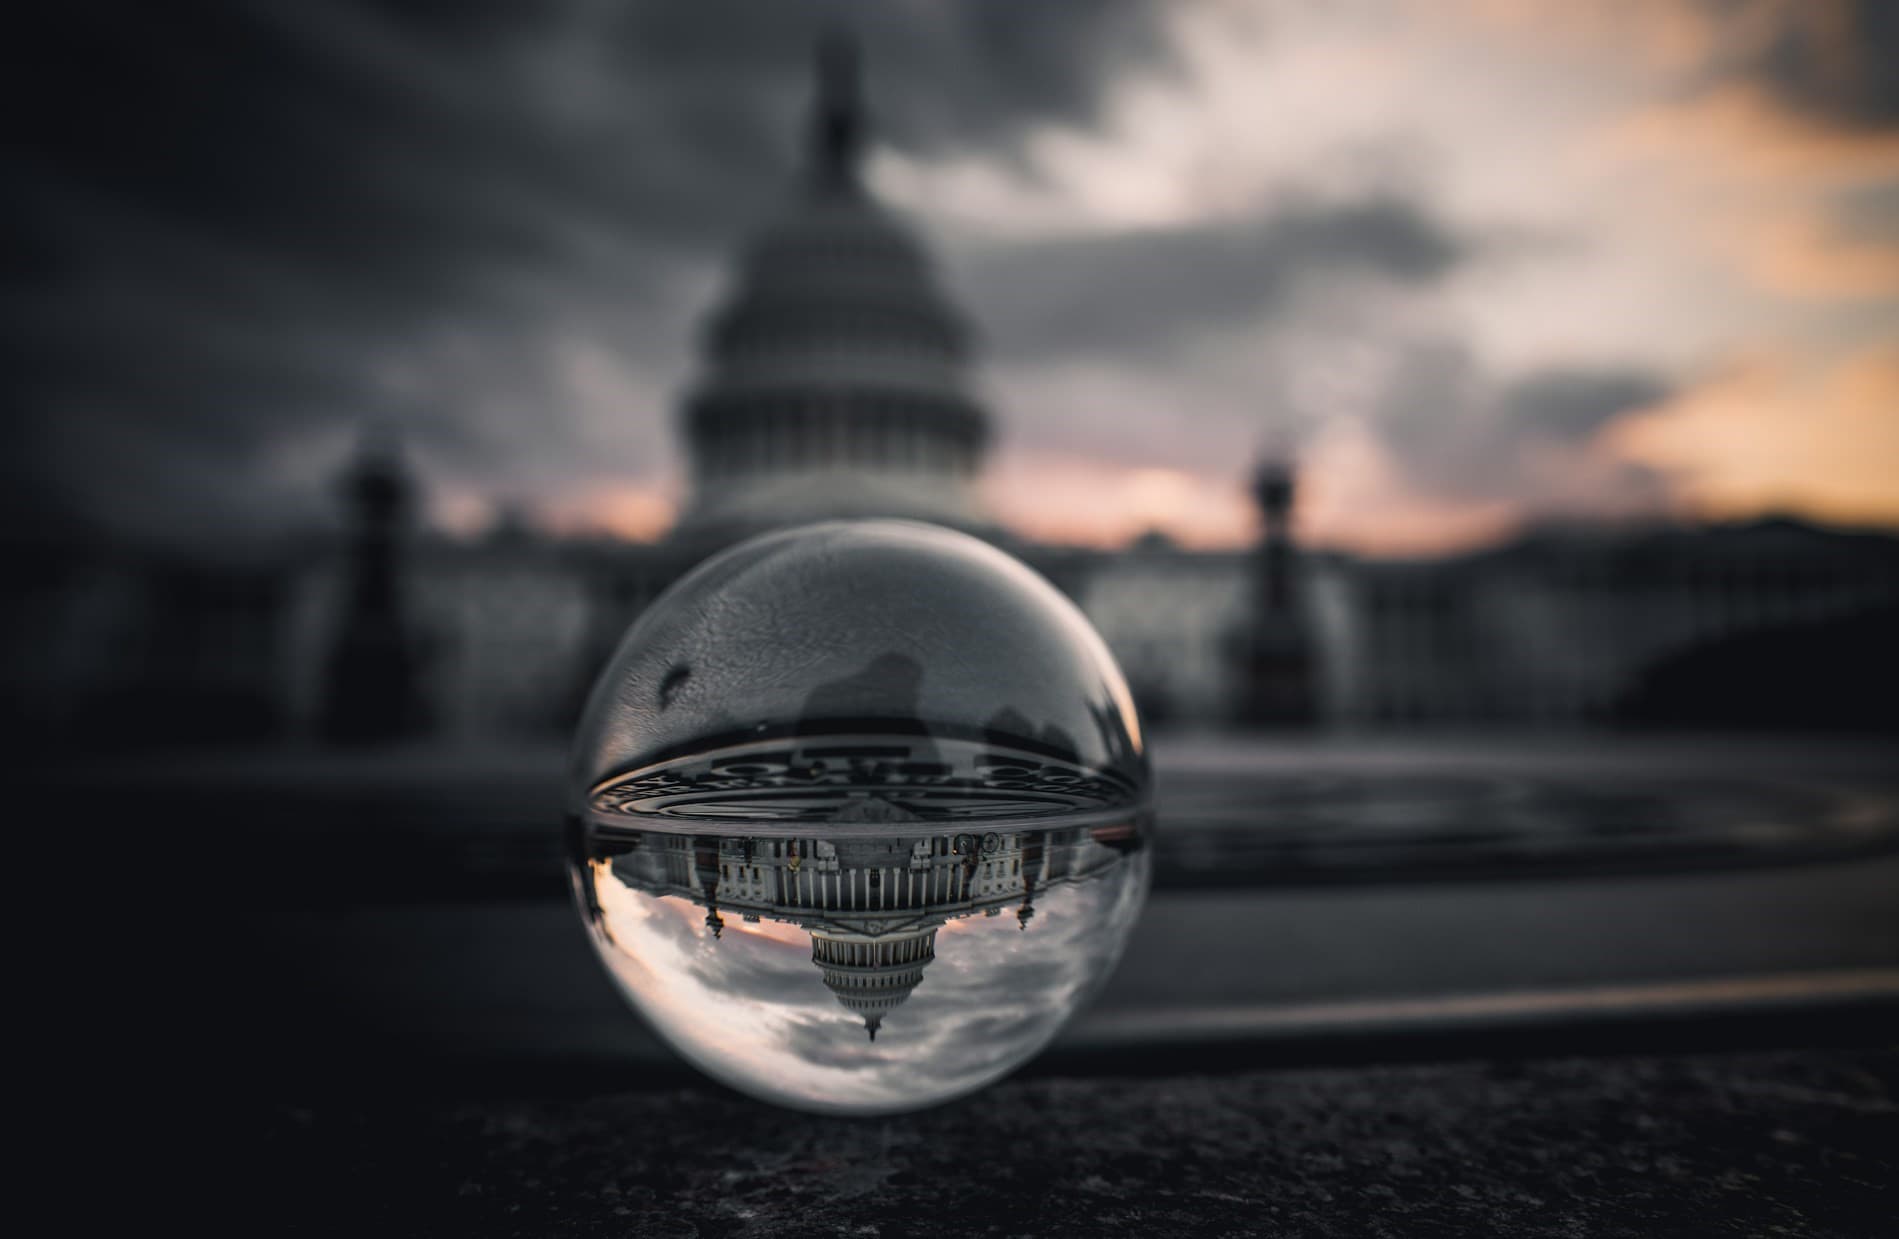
<point x="1773" y="434"/>
<point x="1351" y="497"/>
<point x="1741" y="130"/>
<point x="1749" y="175"/>
<point x="1077" y="501"/>
<point x="1800" y="256"/>
<point x="1757" y="186"/>
<point x="1669" y="35"/>
<point x="636" y="513"/>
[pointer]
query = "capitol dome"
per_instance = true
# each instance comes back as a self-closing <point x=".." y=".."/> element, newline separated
<point x="833" y="373"/>
<point x="873" y="976"/>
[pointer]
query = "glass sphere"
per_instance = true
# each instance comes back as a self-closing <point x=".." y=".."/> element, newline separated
<point x="860" y="814"/>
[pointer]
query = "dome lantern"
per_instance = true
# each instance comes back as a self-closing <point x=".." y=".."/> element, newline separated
<point x="837" y="119"/>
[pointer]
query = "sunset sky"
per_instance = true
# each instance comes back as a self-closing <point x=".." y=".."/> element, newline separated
<point x="1474" y="262"/>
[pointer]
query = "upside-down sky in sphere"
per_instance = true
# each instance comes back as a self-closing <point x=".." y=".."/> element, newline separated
<point x="1476" y="263"/>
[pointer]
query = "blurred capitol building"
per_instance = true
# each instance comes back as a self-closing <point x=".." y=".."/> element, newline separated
<point x="833" y="384"/>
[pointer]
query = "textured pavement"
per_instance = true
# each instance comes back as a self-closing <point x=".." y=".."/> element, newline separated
<point x="1799" y="1143"/>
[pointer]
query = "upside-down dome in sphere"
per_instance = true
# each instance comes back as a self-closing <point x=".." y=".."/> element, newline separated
<point x="812" y="781"/>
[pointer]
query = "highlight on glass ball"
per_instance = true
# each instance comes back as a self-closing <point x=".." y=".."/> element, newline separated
<point x="860" y="814"/>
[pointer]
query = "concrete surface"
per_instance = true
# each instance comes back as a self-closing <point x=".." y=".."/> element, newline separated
<point x="1796" y="1143"/>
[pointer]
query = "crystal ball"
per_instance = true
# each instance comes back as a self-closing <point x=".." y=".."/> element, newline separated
<point x="859" y="815"/>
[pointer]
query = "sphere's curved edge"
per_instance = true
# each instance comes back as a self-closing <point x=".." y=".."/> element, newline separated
<point x="811" y="754"/>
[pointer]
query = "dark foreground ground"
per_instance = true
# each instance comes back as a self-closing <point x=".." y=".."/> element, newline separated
<point x="1462" y="989"/>
<point x="1760" y="1143"/>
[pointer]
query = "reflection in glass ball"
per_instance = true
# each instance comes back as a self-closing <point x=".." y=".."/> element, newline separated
<point x="860" y="815"/>
<point x="862" y="974"/>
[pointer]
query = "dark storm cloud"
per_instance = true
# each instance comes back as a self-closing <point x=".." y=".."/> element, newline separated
<point x="1114" y="294"/>
<point x="1572" y="405"/>
<point x="248" y="226"/>
<point x="943" y="75"/>
<point x="1198" y="330"/>
<point x="386" y="133"/>
<point x="1457" y="432"/>
<point x="1837" y="60"/>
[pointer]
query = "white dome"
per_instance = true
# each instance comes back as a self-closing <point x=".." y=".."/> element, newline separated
<point x="833" y="381"/>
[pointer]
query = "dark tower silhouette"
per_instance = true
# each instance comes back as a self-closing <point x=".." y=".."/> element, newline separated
<point x="372" y="690"/>
<point x="705" y="864"/>
<point x="1274" y="680"/>
<point x="1272" y="491"/>
<point x="837" y="115"/>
